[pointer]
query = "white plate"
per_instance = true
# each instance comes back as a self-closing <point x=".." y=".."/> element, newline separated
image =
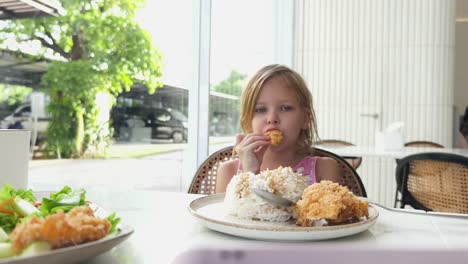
<point x="209" y="210"/>
<point x="78" y="253"/>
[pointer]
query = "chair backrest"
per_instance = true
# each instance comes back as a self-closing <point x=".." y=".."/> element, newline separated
<point x="204" y="181"/>
<point x="434" y="182"/>
<point x="423" y="144"/>
<point x="354" y="161"/>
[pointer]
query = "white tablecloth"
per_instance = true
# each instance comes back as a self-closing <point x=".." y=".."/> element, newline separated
<point x="165" y="231"/>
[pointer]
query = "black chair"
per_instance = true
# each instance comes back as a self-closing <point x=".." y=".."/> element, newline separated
<point x="434" y="182"/>
<point x="418" y="144"/>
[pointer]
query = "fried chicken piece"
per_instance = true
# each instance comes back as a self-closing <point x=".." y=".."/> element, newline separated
<point x="329" y="201"/>
<point x="275" y="136"/>
<point x="61" y="230"/>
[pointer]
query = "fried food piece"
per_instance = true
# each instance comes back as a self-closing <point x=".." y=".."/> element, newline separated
<point x="329" y="201"/>
<point x="61" y="230"/>
<point x="275" y="136"/>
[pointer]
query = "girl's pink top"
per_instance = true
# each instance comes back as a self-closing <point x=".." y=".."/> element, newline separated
<point x="306" y="167"/>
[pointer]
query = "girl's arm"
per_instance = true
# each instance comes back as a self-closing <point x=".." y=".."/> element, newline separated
<point x="224" y="175"/>
<point x="328" y="169"/>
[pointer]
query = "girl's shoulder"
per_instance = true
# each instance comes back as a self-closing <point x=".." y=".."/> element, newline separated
<point x="325" y="160"/>
<point x="319" y="160"/>
<point x="327" y="169"/>
<point x="229" y="165"/>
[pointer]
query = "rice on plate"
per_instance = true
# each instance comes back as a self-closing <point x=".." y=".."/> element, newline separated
<point x="242" y="203"/>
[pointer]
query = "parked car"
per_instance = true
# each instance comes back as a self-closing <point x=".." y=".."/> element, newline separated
<point x="163" y="123"/>
<point x="167" y="123"/>
<point x="21" y="118"/>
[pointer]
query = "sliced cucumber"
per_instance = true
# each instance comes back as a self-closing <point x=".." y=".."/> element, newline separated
<point x="24" y="207"/>
<point x="5" y="250"/>
<point x="3" y="235"/>
<point x="36" y="248"/>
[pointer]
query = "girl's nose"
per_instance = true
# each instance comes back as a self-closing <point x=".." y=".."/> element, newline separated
<point x="273" y="120"/>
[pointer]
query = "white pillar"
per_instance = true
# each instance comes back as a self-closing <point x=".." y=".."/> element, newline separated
<point x="199" y="92"/>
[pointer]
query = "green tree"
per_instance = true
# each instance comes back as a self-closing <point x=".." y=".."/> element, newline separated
<point x="225" y="111"/>
<point x="232" y="84"/>
<point x="100" y="49"/>
<point x="13" y="95"/>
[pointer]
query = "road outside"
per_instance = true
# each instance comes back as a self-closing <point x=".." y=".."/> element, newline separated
<point x="154" y="172"/>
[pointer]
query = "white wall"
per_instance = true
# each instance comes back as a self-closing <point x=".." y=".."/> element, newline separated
<point x="392" y="59"/>
<point x="373" y="62"/>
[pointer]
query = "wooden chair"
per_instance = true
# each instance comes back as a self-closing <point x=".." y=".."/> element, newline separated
<point x="354" y="161"/>
<point x="204" y="181"/>
<point x="434" y="182"/>
<point x="423" y="144"/>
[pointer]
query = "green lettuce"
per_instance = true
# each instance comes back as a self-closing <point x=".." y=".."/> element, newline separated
<point x="7" y="191"/>
<point x="114" y="222"/>
<point x="8" y="221"/>
<point x="64" y="200"/>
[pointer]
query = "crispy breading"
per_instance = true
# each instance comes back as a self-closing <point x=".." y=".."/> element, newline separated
<point x="329" y="201"/>
<point x="275" y="137"/>
<point x="60" y="230"/>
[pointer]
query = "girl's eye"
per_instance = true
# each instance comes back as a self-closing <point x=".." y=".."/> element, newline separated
<point x="285" y="108"/>
<point x="260" y="110"/>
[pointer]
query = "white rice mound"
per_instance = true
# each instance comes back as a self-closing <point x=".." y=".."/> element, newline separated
<point x="240" y="202"/>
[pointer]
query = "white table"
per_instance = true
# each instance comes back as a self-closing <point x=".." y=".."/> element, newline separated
<point x="165" y="232"/>
<point x="371" y="151"/>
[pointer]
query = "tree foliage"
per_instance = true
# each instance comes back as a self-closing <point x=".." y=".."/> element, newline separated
<point x="100" y="49"/>
<point x="232" y="84"/>
<point x="226" y="111"/>
<point x="13" y="95"/>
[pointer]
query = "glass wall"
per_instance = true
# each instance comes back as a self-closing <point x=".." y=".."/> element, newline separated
<point x="242" y="41"/>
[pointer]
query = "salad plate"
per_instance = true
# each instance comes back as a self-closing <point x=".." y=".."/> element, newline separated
<point x="77" y="253"/>
<point x="209" y="211"/>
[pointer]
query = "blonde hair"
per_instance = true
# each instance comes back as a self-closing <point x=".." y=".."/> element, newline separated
<point x="294" y="82"/>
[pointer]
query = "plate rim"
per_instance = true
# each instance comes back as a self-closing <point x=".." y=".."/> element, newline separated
<point x="213" y="198"/>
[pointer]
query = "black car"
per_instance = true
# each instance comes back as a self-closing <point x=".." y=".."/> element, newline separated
<point x="167" y="123"/>
<point x="164" y="123"/>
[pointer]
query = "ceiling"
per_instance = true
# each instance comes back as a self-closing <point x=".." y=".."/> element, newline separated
<point x="16" y="9"/>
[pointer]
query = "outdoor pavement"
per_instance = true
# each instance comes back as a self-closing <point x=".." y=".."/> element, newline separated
<point x="156" y="172"/>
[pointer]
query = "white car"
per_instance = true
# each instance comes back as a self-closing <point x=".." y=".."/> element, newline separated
<point x="21" y="118"/>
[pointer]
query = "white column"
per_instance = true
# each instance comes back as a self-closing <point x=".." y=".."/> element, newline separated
<point x="199" y="92"/>
<point x="283" y="32"/>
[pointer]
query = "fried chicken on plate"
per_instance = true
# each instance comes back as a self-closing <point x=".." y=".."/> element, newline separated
<point x="60" y="230"/>
<point x="331" y="202"/>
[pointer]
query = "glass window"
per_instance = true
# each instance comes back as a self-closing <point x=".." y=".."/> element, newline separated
<point x="242" y="41"/>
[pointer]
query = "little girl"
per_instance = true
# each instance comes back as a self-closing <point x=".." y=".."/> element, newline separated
<point x="277" y="98"/>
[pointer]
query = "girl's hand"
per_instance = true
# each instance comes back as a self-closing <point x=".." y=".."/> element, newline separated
<point x="250" y="148"/>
